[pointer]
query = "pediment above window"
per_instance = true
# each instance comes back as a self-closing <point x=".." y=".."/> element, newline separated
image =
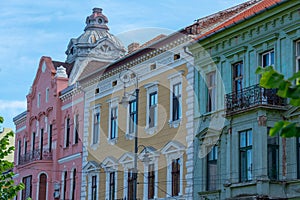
<point x="91" y="166"/>
<point x="110" y="164"/>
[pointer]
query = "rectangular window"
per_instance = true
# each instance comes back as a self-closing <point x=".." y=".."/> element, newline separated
<point x="113" y="122"/>
<point x="94" y="187"/>
<point x="19" y="151"/>
<point x="50" y="137"/>
<point x="38" y="101"/>
<point x="74" y="185"/>
<point x="96" y="130"/>
<point x="268" y="59"/>
<point x="67" y="139"/>
<point x="33" y="144"/>
<point x="245" y="155"/>
<point x="211" y="91"/>
<point x="212" y="169"/>
<point x="237" y="76"/>
<point x="26" y="193"/>
<point x="152" y="121"/>
<point x="42" y="144"/>
<point x="111" y="185"/>
<point x="132" y="116"/>
<point x="176" y="102"/>
<point x="76" y="129"/>
<point x="65" y="185"/>
<point x="151" y="181"/>
<point x="25" y="147"/>
<point x="130" y="185"/>
<point x="47" y="95"/>
<point x="273" y="156"/>
<point x="298" y="60"/>
<point x="175" y="176"/>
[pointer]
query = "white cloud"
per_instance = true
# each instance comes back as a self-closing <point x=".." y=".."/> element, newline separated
<point x="10" y="109"/>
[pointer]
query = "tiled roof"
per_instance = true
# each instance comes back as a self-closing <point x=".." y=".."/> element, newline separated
<point x="68" y="66"/>
<point x="249" y="12"/>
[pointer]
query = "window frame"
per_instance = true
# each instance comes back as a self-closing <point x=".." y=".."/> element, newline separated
<point x="76" y="129"/>
<point x="95" y="139"/>
<point x="130" y="184"/>
<point x="152" y="109"/>
<point x="94" y="187"/>
<point x="211" y="91"/>
<point x="237" y="77"/>
<point x="132" y="110"/>
<point x="175" y="174"/>
<point x="151" y="177"/>
<point x="211" y="159"/>
<point x="112" y="185"/>
<point x="177" y="97"/>
<point x="113" y="123"/>
<point x="297" y="59"/>
<point x="50" y="132"/>
<point x="24" y="193"/>
<point x="67" y="132"/>
<point x="298" y="157"/>
<point x="269" y="54"/>
<point x="113" y="104"/>
<point x="274" y="148"/>
<point x="151" y="88"/>
<point x="247" y="148"/>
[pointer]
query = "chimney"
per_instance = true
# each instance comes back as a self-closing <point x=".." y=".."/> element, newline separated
<point x="133" y="47"/>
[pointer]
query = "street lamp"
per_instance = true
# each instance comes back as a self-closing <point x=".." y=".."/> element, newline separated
<point x="127" y="76"/>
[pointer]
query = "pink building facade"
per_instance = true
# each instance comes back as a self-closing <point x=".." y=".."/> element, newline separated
<point x="48" y="136"/>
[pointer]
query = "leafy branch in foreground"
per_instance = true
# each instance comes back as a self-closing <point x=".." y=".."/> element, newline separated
<point x="270" y="78"/>
<point x="8" y="189"/>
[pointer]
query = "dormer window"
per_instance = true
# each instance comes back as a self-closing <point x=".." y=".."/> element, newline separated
<point x="100" y="21"/>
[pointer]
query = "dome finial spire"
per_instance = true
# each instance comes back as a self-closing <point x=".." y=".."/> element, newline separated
<point x="96" y="20"/>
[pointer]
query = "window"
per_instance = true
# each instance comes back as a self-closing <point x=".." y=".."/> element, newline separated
<point x="47" y="95"/>
<point x="298" y="157"/>
<point x="177" y="56"/>
<point x="38" y="101"/>
<point x="152" y="120"/>
<point x="76" y="128"/>
<point x="43" y="187"/>
<point x="94" y="187"/>
<point x="273" y="156"/>
<point x="33" y="144"/>
<point x="97" y="90"/>
<point x="114" y="83"/>
<point x="175" y="176"/>
<point x="153" y="66"/>
<point x="64" y="191"/>
<point x="67" y="129"/>
<point x="113" y="122"/>
<point x="245" y="155"/>
<point x="151" y="181"/>
<point x="237" y="75"/>
<point x="96" y="128"/>
<point x="25" y="146"/>
<point x="50" y="137"/>
<point x="132" y="116"/>
<point x="42" y="144"/>
<point x="176" y="102"/>
<point x="130" y="182"/>
<point x="73" y="185"/>
<point x="212" y="170"/>
<point x="26" y="193"/>
<point x="268" y="58"/>
<point x="111" y="185"/>
<point x="211" y="91"/>
<point x="19" y="151"/>
<point x="298" y="60"/>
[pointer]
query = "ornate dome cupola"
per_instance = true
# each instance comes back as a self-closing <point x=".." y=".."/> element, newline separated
<point x="96" y="43"/>
<point x="96" y="20"/>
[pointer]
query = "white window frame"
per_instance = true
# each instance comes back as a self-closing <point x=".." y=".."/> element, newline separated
<point x="38" y="101"/>
<point x="47" y="95"/>
<point x="212" y="88"/>
<point x="127" y="161"/>
<point x="96" y="110"/>
<point x="110" y="164"/>
<point x="113" y="103"/>
<point x="76" y="117"/>
<point x="174" y="79"/>
<point x="128" y="135"/>
<point x="90" y="177"/>
<point x="63" y="184"/>
<point x="65" y="135"/>
<point x="151" y="88"/>
<point x="72" y="182"/>
<point x="297" y="59"/>
<point x="38" y="185"/>
<point x="176" y="152"/>
<point x="153" y="160"/>
<point x="267" y="53"/>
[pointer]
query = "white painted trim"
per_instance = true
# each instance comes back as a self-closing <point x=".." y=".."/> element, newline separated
<point x="113" y="103"/>
<point x="96" y="110"/>
<point x="174" y="79"/>
<point x="151" y="88"/>
<point x="69" y="158"/>
<point x="38" y="185"/>
<point x="73" y="103"/>
<point x="21" y="129"/>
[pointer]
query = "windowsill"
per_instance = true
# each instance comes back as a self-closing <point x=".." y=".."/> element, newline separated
<point x="243" y="184"/>
<point x="151" y="131"/>
<point x="209" y="192"/>
<point x="75" y="144"/>
<point x="94" y="146"/>
<point x="112" y="141"/>
<point x="175" y="124"/>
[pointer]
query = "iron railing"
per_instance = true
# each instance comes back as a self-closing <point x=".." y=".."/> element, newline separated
<point x="35" y="155"/>
<point x="250" y="97"/>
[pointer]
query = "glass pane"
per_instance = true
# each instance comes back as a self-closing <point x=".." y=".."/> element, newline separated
<point x="249" y="164"/>
<point x="249" y="137"/>
<point x="242" y="139"/>
<point x="272" y="60"/>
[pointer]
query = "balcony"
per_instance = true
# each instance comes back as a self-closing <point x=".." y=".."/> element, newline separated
<point x="35" y="155"/>
<point x="252" y="97"/>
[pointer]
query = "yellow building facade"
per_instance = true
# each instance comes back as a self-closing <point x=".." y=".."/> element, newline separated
<point x="159" y="72"/>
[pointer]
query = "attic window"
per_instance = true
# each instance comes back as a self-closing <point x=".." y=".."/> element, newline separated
<point x="97" y="91"/>
<point x="153" y="66"/>
<point x="177" y="56"/>
<point x="114" y="83"/>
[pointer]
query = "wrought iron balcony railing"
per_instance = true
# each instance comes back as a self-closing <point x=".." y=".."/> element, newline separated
<point x="251" y="97"/>
<point x="35" y="155"/>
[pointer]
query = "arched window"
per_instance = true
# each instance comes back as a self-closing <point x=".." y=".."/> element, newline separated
<point x="43" y="187"/>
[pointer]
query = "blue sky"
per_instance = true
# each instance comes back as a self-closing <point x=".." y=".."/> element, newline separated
<point x="30" y="29"/>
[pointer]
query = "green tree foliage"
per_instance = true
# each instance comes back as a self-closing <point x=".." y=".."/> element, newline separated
<point x="8" y="189"/>
<point x="270" y="78"/>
